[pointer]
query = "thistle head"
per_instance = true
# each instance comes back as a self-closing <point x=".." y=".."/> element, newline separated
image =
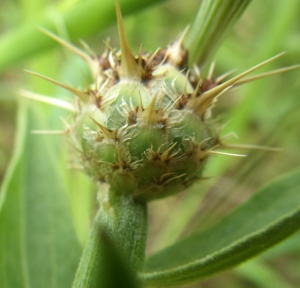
<point x="144" y="125"/>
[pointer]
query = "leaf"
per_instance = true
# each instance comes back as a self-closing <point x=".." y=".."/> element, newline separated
<point x="262" y="275"/>
<point x="214" y="19"/>
<point x="267" y="218"/>
<point x="38" y="243"/>
<point x="84" y="18"/>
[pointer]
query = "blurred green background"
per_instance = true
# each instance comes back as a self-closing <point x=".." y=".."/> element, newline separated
<point x="264" y="112"/>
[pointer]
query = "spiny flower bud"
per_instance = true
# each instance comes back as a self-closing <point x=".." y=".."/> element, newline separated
<point x="143" y="127"/>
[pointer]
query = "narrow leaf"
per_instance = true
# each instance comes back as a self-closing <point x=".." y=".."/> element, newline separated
<point x="38" y="244"/>
<point x="214" y="19"/>
<point x="262" y="275"/>
<point x="267" y="218"/>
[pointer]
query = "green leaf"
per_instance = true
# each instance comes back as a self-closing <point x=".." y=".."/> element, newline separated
<point x="214" y="19"/>
<point x="267" y="218"/>
<point x="38" y="244"/>
<point x="84" y="18"/>
<point x="262" y="275"/>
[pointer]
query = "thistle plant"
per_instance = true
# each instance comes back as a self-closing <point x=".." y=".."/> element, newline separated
<point x="143" y="129"/>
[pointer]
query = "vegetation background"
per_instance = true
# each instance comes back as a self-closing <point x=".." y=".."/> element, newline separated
<point x="265" y="112"/>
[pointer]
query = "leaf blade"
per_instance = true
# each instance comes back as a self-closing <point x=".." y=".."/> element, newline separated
<point x="214" y="19"/>
<point x="38" y="243"/>
<point x="234" y="239"/>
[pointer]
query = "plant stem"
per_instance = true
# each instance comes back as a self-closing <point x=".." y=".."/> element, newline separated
<point x="124" y="221"/>
<point x="214" y="19"/>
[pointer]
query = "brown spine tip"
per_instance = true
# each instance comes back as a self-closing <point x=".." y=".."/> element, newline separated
<point x="129" y="68"/>
<point x="84" y="97"/>
<point x="201" y="104"/>
<point x="89" y="59"/>
<point x="106" y="133"/>
<point x="150" y="115"/>
<point x="177" y="55"/>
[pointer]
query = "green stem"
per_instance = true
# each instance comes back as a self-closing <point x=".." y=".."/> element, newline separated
<point x="214" y="19"/>
<point x="124" y="221"/>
